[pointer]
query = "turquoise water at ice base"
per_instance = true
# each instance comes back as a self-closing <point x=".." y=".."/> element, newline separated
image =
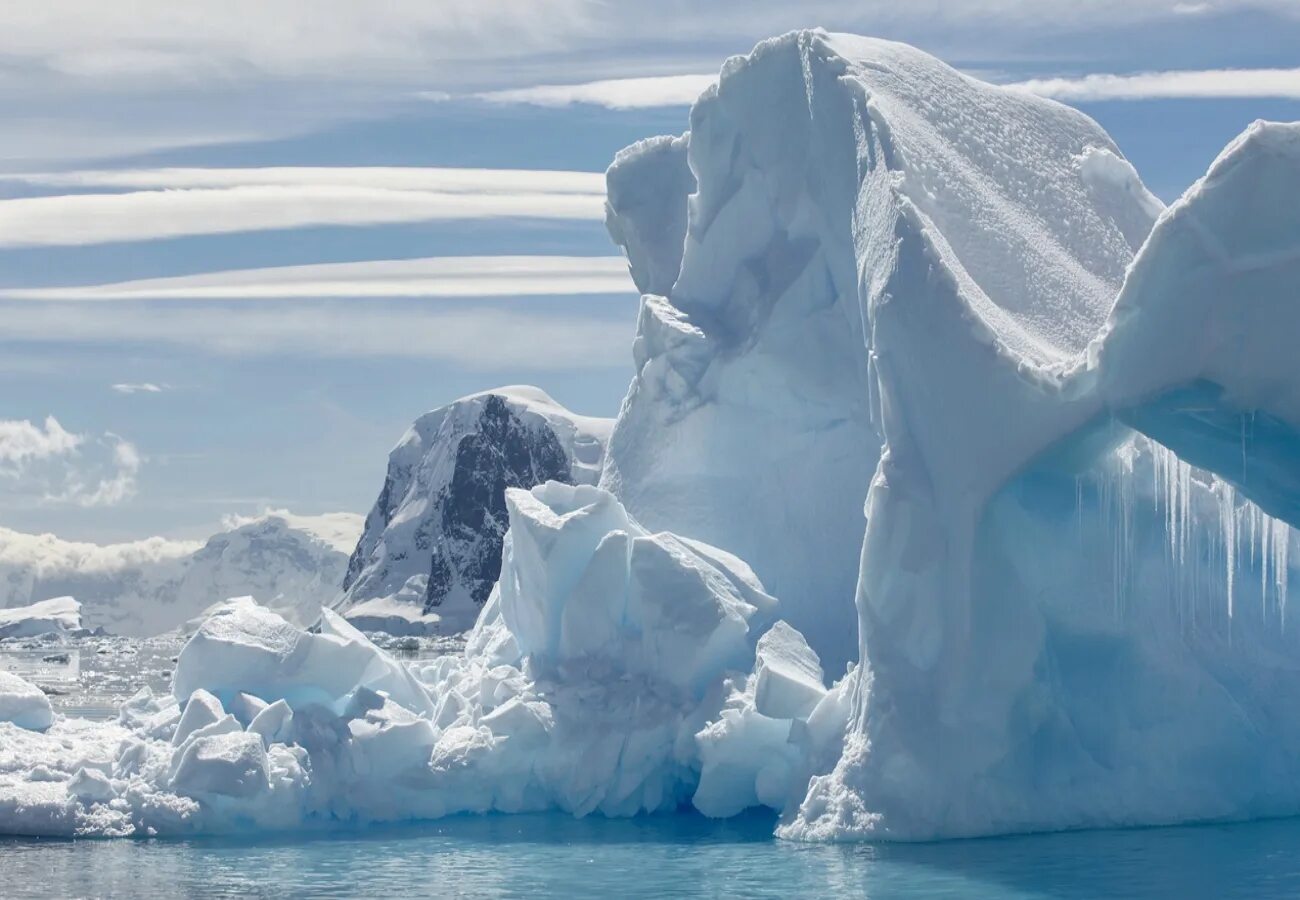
<point x="661" y="856"/>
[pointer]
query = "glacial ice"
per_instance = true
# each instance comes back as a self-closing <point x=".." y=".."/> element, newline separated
<point x="1086" y="428"/>
<point x="289" y="562"/>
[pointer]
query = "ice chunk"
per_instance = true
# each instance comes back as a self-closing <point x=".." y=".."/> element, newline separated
<point x="273" y="723"/>
<point x="246" y="648"/>
<point x="788" y="676"/>
<point x="23" y="703"/>
<point x="201" y="710"/>
<point x="233" y="763"/>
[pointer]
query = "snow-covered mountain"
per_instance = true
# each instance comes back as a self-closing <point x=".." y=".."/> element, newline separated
<point x="292" y="563"/>
<point x="431" y="550"/>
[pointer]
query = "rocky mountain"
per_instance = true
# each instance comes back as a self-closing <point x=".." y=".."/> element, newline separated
<point x="431" y="550"/>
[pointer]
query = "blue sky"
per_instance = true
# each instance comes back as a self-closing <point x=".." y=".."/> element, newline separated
<point x="159" y="408"/>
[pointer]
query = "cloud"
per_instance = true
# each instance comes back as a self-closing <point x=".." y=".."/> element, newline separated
<point x="78" y="219"/>
<point x="62" y="467"/>
<point x="51" y="558"/>
<point x="144" y="387"/>
<point x="1203" y="84"/>
<point x="22" y="442"/>
<point x="615" y="93"/>
<point x="389" y="178"/>
<point x="478" y="339"/>
<point x="442" y="276"/>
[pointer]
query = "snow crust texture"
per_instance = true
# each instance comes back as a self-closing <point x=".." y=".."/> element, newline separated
<point x="431" y="550"/>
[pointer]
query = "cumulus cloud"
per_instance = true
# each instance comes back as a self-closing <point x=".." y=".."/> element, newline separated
<point x="143" y="387"/>
<point x="58" y="466"/>
<point x="1204" y="83"/>
<point x="23" y="442"/>
<point x="440" y="276"/>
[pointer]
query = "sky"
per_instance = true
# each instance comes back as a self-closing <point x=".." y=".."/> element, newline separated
<point x="243" y="244"/>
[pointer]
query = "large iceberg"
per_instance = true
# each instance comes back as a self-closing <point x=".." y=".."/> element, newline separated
<point x="431" y="549"/>
<point x="1076" y="438"/>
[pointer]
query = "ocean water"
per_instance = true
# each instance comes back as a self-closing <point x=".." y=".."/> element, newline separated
<point x="661" y="856"/>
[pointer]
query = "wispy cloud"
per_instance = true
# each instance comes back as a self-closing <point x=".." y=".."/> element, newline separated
<point x="392" y="178"/>
<point x="48" y="461"/>
<point x="477" y="339"/>
<point x="1204" y="83"/>
<point x="144" y="387"/>
<point x="77" y="219"/>
<point x="442" y="276"/>
<point x="614" y="93"/>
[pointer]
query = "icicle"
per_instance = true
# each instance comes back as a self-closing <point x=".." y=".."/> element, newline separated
<point x="1228" y="523"/>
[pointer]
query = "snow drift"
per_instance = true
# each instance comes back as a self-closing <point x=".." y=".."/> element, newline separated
<point x="431" y="550"/>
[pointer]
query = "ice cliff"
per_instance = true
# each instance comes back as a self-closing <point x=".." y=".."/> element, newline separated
<point x="431" y="549"/>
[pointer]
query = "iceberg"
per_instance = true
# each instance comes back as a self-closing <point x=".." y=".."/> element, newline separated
<point x="59" y="616"/>
<point x="1070" y="416"/>
<point x="23" y="704"/>
<point x="430" y="552"/>
<point x="931" y="392"/>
